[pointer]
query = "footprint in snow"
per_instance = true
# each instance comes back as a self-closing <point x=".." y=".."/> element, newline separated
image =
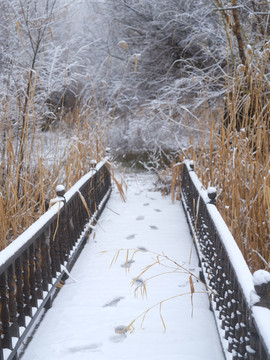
<point x="114" y="302"/>
<point x="157" y="210"/>
<point x="140" y="217"/>
<point x="90" y="347"/>
<point x="142" y="248"/>
<point x="146" y="204"/>
<point x="121" y="334"/>
<point x="132" y="236"/>
<point x="118" y="338"/>
<point x="153" y="227"/>
<point x="127" y="264"/>
<point x="121" y="329"/>
<point x="138" y="282"/>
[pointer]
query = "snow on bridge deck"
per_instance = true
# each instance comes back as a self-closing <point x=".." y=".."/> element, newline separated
<point x="89" y="311"/>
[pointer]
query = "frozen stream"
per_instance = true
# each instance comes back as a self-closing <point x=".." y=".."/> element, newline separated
<point x="92" y="308"/>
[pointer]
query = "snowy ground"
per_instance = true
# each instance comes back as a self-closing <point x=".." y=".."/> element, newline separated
<point x="91" y="309"/>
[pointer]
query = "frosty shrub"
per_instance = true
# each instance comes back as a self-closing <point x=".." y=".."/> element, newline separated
<point x="44" y="69"/>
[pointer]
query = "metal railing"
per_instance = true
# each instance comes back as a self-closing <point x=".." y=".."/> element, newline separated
<point x="33" y="265"/>
<point x="242" y="317"/>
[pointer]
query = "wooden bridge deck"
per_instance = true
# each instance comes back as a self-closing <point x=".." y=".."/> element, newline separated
<point x="97" y="302"/>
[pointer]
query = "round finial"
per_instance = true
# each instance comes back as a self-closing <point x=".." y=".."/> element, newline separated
<point x="60" y="190"/>
<point x="212" y="194"/>
<point x="107" y="150"/>
<point x="93" y="163"/>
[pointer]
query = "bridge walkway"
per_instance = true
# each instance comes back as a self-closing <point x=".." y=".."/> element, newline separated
<point x="167" y="305"/>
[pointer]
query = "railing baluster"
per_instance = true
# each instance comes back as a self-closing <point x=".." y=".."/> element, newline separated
<point x="6" y="338"/>
<point x="76" y="217"/>
<point x="14" y="328"/>
<point x="52" y="250"/>
<point x="81" y="214"/>
<point x="26" y="273"/>
<point x="19" y="292"/>
<point x="44" y="263"/>
<point x="71" y="227"/>
<point x="26" y="285"/>
<point x="232" y="302"/>
<point x="57" y="252"/>
<point x="37" y="259"/>
<point x="63" y="236"/>
<point x="1" y="349"/>
<point x="93" y="195"/>
<point x="32" y="277"/>
<point x="47" y="242"/>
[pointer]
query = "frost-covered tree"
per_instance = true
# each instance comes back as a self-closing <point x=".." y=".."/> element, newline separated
<point x="168" y="58"/>
<point x="176" y="57"/>
<point x="25" y="30"/>
<point x="166" y="43"/>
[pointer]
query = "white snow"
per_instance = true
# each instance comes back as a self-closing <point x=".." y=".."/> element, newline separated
<point x="237" y="260"/>
<point x="89" y="316"/>
<point x="254" y="298"/>
<point x="57" y="199"/>
<point x="262" y="319"/>
<point x="60" y="188"/>
<point x="261" y="277"/>
<point x="26" y="236"/>
<point x="236" y="257"/>
<point x="211" y="190"/>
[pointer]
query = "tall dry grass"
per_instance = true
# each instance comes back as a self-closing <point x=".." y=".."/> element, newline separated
<point x="236" y="159"/>
<point x="61" y="155"/>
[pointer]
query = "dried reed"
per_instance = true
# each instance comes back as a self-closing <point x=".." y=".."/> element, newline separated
<point x="236" y="159"/>
<point x="61" y="155"/>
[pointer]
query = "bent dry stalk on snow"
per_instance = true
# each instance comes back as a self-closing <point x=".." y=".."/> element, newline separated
<point x="160" y="260"/>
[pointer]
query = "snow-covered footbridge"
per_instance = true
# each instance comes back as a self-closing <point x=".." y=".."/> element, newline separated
<point x="142" y="286"/>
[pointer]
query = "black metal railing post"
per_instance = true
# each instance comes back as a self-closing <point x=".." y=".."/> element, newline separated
<point x="6" y="338"/>
<point x="34" y="264"/>
<point x="223" y="265"/>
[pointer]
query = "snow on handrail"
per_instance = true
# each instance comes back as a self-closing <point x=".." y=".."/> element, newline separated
<point x="24" y="240"/>
<point x="234" y="253"/>
<point x="34" y="264"/>
<point x="226" y="272"/>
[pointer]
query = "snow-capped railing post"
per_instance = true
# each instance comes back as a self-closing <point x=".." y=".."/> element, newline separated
<point x="261" y="280"/>
<point x="93" y="164"/>
<point x="212" y="194"/>
<point x="241" y="318"/>
<point x="107" y="152"/>
<point x="32" y="266"/>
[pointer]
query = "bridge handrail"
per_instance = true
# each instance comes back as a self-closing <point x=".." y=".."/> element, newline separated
<point x="33" y="265"/>
<point x="236" y="306"/>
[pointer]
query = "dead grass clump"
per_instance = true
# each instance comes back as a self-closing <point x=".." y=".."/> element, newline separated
<point x="61" y="155"/>
<point x="236" y="160"/>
